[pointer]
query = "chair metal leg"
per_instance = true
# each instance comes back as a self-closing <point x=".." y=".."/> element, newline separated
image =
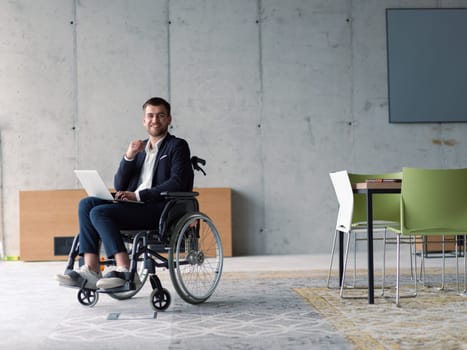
<point x="383" y="279"/>
<point x="459" y="251"/>
<point x="354" y="261"/>
<point x="422" y="266"/>
<point x="346" y="255"/>
<point x="443" y="264"/>
<point x="457" y="265"/>
<point x="415" y="278"/>
<point x="465" y="265"/>
<point x="332" y="256"/>
<point x="415" y="259"/>
<point x="413" y="263"/>
<point x="398" y="267"/>
<point x="398" y="271"/>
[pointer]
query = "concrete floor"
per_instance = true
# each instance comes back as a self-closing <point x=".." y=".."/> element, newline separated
<point x="254" y="307"/>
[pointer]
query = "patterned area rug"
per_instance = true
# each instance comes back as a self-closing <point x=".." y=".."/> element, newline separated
<point x="432" y="320"/>
<point x="249" y="310"/>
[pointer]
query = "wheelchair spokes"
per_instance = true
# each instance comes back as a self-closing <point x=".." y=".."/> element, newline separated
<point x="195" y="258"/>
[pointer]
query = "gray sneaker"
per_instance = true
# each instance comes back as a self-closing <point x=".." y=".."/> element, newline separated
<point x="116" y="276"/>
<point x="75" y="278"/>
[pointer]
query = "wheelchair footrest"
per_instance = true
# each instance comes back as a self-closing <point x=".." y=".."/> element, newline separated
<point x="76" y="277"/>
<point x="128" y="286"/>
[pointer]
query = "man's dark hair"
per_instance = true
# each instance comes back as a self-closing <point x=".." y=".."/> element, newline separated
<point x="157" y="101"/>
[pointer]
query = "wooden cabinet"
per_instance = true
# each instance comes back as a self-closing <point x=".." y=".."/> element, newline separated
<point x="433" y="244"/>
<point x="48" y="216"/>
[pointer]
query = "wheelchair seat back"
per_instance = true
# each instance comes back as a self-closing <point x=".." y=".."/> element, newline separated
<point x="174" y="209"/>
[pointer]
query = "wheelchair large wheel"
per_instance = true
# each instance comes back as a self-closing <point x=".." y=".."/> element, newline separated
<point x="195" y="258"/>
<point x="142" y="274"/>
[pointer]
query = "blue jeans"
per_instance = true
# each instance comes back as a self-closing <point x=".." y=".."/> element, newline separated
<point x="101" y="220"/>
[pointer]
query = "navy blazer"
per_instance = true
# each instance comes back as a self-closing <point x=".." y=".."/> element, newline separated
<point x="172" y="170"/>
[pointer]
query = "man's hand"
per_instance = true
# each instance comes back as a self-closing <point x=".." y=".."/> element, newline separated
<point x="134" y="148"/>
<point x="126" y="196"/>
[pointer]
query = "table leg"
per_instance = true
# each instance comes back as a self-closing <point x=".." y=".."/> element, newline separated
<point x="369" y="212"/>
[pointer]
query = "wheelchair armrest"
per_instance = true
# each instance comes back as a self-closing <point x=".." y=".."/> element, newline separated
<point x="170" y="195"/>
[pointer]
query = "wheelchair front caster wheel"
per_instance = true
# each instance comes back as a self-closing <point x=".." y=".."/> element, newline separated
<point x="160" y="300"/>
<point x="88" y="297"/>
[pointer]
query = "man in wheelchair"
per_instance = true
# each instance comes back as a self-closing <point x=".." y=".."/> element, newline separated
<point x="158" y="164"/>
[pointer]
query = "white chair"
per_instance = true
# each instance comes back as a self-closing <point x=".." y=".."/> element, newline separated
<point x="345" y="198"/>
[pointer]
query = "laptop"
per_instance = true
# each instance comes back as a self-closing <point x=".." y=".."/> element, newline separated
<point x="95" y="186"/>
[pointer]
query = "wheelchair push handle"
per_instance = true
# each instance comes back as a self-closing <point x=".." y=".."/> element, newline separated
<point x="196" y="161"/>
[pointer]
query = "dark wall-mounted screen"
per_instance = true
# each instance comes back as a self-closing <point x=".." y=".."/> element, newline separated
<point x="427" y="65"/>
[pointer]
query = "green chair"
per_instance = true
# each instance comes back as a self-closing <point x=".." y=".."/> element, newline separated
<point x="385" y="206"/>
<point x="352" y="212"/>
<point x="386" y="212"/>
<point x="433" y="202"/>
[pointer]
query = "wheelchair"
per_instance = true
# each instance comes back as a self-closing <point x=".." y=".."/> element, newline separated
<point x="185" y="242"/>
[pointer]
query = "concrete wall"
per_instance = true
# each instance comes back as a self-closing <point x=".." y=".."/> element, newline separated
<point x="274" y="94"/>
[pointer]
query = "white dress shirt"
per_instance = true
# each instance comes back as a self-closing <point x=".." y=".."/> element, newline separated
<point x="147" y="173"/>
